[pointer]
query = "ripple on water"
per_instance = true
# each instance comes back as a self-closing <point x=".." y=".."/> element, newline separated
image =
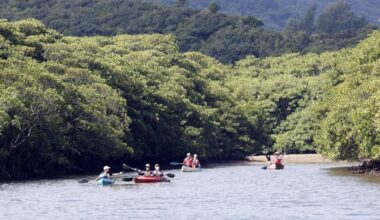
<point x="224" y="192"/>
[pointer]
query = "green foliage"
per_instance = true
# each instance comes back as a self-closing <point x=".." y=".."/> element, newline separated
<point x="48" y="121"/>
<point x="181" y="3"/>
<point x="276" y="13"/>
<point x="226" y="37"/>
<point x="337" y="26"/>
<point x="349" y="128"/>
<point x="213" y="7"/>
<point x="75" y="103"/>
<point x="337" y="18"/>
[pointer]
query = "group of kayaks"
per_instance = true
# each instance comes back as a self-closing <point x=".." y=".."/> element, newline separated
<point x="149" y="179"/>
<point x="138" y="179"/>
<point x="157" y="179"/>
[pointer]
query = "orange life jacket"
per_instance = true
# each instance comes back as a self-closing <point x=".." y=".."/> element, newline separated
<point x="188" y="161"/>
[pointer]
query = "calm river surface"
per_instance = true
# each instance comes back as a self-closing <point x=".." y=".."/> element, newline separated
<point x="222" y="192"/>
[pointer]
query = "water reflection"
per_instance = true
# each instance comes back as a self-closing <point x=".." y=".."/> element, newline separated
<point x="345" y="172"/>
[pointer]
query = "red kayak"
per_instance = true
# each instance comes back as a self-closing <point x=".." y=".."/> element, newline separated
<point x="150" y="179"/>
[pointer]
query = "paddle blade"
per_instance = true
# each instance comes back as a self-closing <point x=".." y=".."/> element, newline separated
<point x="125" y="166"/>
<point x="171" y="175"/>
<point x="83" y="181"/>
<point x="127" y="179"/>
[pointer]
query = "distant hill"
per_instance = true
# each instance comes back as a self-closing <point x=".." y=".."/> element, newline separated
<point x="275" y="13"/>
<point x="224" y="36"/>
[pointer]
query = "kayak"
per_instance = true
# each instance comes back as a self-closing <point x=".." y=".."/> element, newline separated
<point x="190" y="169"/>
<point x="105" y="181"/>
<point x="150" y="179"/>
<point x="275" y="167"/>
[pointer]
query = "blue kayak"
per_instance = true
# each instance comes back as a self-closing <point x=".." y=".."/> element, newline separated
<point x="105" y="181"/>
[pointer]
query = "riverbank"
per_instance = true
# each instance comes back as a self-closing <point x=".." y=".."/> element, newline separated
<point x="367" y="167"/>
<point x="296" y="159"/>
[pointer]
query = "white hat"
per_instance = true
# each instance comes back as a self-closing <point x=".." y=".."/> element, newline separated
<point x="195" y="155"/>
<point x="106" y="167"/>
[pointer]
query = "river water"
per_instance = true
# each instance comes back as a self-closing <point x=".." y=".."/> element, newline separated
<point x="239" y="191"/>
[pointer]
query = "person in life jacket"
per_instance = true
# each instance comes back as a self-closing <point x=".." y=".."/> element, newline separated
<point x="147" y="171"/>
<point x="106" y="173"/>
<point x="157" y="171"/>
<point x="196" y="163"/>
<point x="188" y="161"/>
<point x="277" y="158"/>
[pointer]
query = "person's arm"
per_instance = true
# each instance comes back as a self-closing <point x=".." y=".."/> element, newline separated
<point x="117" y="174"/>
<point x="99" y="177"/>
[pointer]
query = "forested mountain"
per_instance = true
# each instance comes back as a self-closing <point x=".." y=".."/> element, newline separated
<point x="276" y="13"/>
<point x="69" y="104"/>
<point x="226" y="37"/>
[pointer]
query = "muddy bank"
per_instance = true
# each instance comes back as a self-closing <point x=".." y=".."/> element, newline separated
<point x="296" y="159"/>
<point x="368" y="167"/>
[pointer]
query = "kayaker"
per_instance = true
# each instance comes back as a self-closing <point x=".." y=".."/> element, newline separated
<point x="278" y="158"/>
<point x="147" y="170"/>
<point x="105" y="174"/>
<point x="196" y="163"/>
<point x="157" y="171"/>
<point x="188" y="161"/>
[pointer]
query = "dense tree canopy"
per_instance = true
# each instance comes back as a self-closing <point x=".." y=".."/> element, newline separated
<point x="69" y="104"/>
<point x="227" y="38"/>
<point x="276" y="13"/>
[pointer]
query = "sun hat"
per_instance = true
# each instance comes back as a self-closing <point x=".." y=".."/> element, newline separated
<point x="157" y="165"/>
<point x="106" y="167"/>
<point x="188" y="154"/>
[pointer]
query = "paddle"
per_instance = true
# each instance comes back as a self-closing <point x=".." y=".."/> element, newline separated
<point x="171" y="175"/>
<point x="127" y="179"/>
<point x="125" y="166"/>
<point x="175" y="163"/>
<point x="268" y="159"/>
<point x="83" y="181"/>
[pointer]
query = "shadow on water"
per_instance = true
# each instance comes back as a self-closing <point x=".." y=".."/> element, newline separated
<point x="346" y="172"/>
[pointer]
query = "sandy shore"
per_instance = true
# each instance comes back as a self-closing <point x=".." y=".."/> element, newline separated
<point x="296" y="158"/>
